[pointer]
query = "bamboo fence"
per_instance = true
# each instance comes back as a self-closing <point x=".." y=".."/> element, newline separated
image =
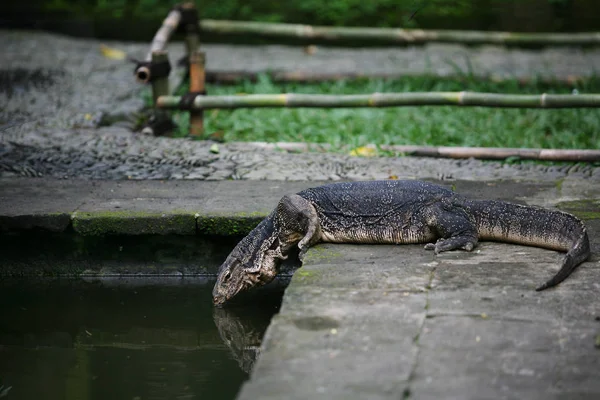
<point x="396" y="35"/>
<point x="485" y="153"/>
<point x="386" y="100"/>
<point x="196" y="101"/>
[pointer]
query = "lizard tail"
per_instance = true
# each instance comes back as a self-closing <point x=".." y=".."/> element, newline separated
<point x="534" y="226"/>
<point x="577" y="254"/>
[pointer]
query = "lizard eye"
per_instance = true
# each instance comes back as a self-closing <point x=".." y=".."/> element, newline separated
<point x="226" y="276"/>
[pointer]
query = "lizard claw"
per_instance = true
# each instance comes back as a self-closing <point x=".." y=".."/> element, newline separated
<point x="302" y="253"/>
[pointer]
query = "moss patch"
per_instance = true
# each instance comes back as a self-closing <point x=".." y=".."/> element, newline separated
<point x="321" y="254"/>
<point x="305" y="276"/>
<point x="584" y="209"/>
<point x="559" y="184"/>
<point x="237" y="224"/>
<point x="133" y="223"/>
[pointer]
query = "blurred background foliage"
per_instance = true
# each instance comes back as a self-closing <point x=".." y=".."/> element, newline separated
<point x="138" y="19"/>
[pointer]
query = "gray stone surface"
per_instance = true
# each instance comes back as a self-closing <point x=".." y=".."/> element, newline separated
<point x="48" y="202"/>
<point x="134" y="207"/>
<point x="117" y="154"/>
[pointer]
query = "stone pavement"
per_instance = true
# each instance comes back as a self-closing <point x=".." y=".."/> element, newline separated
<point x="57" y="94"/>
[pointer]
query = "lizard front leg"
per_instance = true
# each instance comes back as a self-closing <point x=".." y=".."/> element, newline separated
<point x="298" y="222"/>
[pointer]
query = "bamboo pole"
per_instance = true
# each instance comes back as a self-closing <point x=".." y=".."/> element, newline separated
<point x="486" y="153"/>
<point x="164" y="33"/>
<point x="311" y="76"/>
<point x="160" y="88"/>
<point x="197" y="78"/>
<point x="192" y="38"/>
<point x="159" y="44"/>
<point x="397" y="36"/>
<point x="293" y="100"/>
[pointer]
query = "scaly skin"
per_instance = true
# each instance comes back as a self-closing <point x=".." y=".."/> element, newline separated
<point x="394" y="212"/>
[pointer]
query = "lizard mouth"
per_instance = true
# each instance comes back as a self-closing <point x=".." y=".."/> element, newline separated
<point x="219" y="301"/>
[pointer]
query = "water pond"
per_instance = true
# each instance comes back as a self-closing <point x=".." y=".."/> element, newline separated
<point x="127" y="339"/>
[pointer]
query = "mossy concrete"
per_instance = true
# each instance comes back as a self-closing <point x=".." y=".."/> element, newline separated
<point x="233" y="224"/>
<point x="584" y="209"/>
<point x="134" y="223"/>
<point x="230" y="208"/>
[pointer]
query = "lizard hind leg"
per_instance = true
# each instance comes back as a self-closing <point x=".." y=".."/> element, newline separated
<point x="299" y="223"/>
<point x="454" y="228"/>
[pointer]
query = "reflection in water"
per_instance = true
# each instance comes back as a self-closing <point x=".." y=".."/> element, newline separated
<point x="82" y="340"/>
<point x="242" y="338"/>
<point x="242" y="328"/>
<point x="4" y="390"/>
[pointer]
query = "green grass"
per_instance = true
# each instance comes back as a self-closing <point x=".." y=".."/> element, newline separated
<point x="442" y="125"/>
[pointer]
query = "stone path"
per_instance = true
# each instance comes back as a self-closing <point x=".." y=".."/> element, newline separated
<point x="55" y="91"/>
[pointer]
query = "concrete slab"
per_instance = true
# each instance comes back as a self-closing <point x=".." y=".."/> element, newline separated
<point x="139" y="207"/>
<point x="104" y="222"/>
<point x="39" y="203"/>
<point x="384" y="267"/>
<point x="323" y="350"/>
<point x="234" y="208"/>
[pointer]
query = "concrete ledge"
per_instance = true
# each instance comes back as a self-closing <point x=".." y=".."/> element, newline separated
<point x="396" y="322"/>
<point x="228" y="208"/>
<point x="211" y="208"/>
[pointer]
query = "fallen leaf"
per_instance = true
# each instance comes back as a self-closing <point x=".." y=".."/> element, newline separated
<point x="364" y="151"/>
<point x="113" y="54"/>
<point x="310" y="49"/>
<point x="214" y="148"/>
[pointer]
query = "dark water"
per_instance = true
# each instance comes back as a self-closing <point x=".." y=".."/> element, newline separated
<point x="127" y="339"/>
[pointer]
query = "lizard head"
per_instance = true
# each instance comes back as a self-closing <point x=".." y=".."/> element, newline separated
<point x="253" y="262"/>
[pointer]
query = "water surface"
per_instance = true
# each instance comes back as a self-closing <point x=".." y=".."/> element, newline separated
<point x="127" y="339"/>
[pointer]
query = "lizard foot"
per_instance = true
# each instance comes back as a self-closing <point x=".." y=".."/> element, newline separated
<point x="452" y="243"/>
<point x="302" y="253"/>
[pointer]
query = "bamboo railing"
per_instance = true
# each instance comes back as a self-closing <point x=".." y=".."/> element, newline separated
<point x="386" y="100"/>
<point x="485" y="153"/>
<point x="196" y="101"/>
<point x="397" y="36"/>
